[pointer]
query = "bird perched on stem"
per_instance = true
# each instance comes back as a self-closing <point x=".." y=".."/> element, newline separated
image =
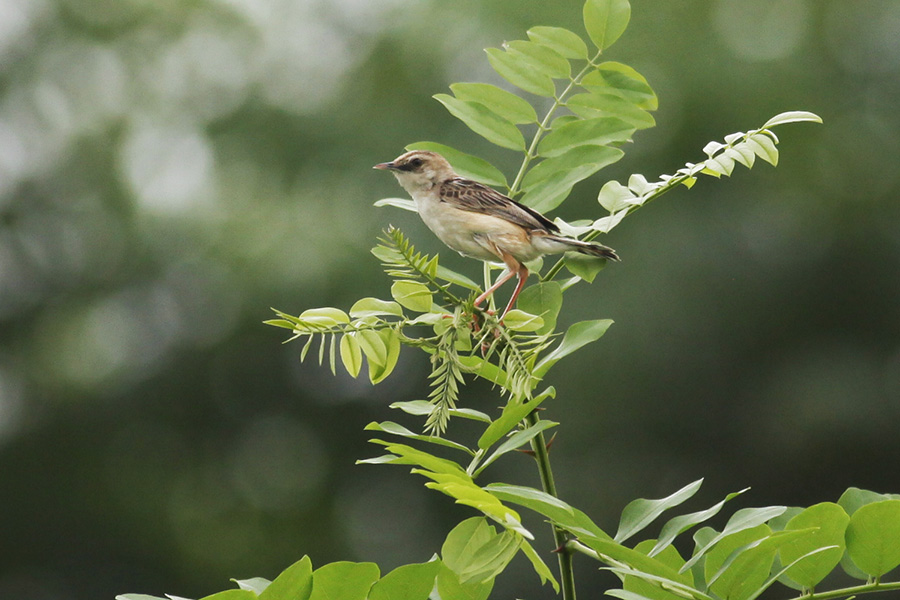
<point x="480" y="222"/>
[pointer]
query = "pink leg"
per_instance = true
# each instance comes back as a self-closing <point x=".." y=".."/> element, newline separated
<point x="522" y="272"/>
<point x="487" y="293"/>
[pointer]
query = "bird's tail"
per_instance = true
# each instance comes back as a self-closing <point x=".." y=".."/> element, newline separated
<point x="589" y="248"/>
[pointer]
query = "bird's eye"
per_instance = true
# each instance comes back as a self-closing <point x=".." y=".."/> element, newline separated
<point x="415" y="163"/>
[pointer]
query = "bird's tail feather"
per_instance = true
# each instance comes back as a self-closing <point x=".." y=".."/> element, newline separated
<point x="589" y="248"/>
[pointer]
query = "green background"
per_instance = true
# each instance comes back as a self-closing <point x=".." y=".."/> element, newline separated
<point x="169" y="170"/>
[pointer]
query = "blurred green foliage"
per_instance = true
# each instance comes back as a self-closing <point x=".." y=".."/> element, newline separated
<point x="169" y="170"/>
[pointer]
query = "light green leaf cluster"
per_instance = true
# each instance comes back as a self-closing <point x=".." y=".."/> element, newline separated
<point x="757" y="548"/>
<point x="596" y="107"/>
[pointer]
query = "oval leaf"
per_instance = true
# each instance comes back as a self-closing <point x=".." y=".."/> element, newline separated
<point x="545" y="300"/>
<point x="620" y="79"/>
<point x="829" y="523"/>
<point x="519" y="320"/>
<point x="598" y="104"/>
<point x="409" y="581"/>
<point x="351" y="354"/>
<point x="484" y="122"/>
<point x="872" y="537"/>
<point x="794" y="116"/>
<point x="543" y="59"/>
<point x="373" y="307"/>
<point x="506" y="104"/>
<point x="412" y="295"/>
<point x="344" y="580"/>
<point x="513" y="67"/>
<point x="567" y="43"/>
<point x="578" y="335"/>
<point x="606" y="20"/>
<point x="600" y="131"/>
<point x="379" y="372"/>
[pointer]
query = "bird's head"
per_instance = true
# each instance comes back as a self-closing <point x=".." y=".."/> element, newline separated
<point x="419" y="170"/>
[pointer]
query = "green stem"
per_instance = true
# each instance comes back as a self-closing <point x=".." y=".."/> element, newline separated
<point x="543" y="125"/>
<point x="852" y="591"/>
<point x="564" y="555"/>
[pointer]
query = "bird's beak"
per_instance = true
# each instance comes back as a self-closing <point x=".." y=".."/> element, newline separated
<point x="388" y="166"/>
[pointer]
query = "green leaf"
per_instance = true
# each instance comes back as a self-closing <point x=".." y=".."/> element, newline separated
<point x="491" y="559"/>
<point x="485" y="122"/>
<point x="373" y="346"/>
<point x="450" y="587"/>
<point x="351" y="354"/>
<point x="466" y="165"/>
<point x="373" y="307"/>
<point x="678" y="525"/>
<point x="513" y="414"/>
<point x="763" y="146"/>
<point x="545" y="300"/>
<point x="294" y="583"/>
<point x="324" y="317"/>
<point x="641" y="512"/>
<point x="569" y="518"/>
<point x="404" y="203"/>
<point x="578" y="335"/>
<point x="552" y="191"/>
<point x="400" y="430"/>
<point x="139" y="597"/>
<point x="519" y="320"/>
<point x="379" y="372"/>
<point x="423" y="408"/>
<point x="649" y="587"/>
<point x="746" y="518"/>
<point x="407" y="455"/>
<point x="344" y="581"/>
<point x="543" y="59"/>
<point x="463" y="540"/>
<point x="409" y="582"/>
<point x="794" y="116"/>
<point x="232" y="595"/>
<point x="855" y="498"/>
<point x="412" y="295"/>
<point x="597" y="104"/>
<point x="576" y="157"/>
<point x="727" y="545"/>
<point x="484" y="369"/>
<point x="254" y="584"/>
<point x="584" y="266"/>
<point x="740" y="566"/>
<point x="453" y="277"/>
<point x="614" y="196"/>
<point x="622" y="80"/>
<point x="606" y="20"/>
<point x="540" y="567"/>
<point x="600" y="131"/>
<point x="567" y="43"/>
<point x="829" y="522"/>
<point x="514" y="67"/>
<point x="872" y="537"/>
<point x="515" y="441"/>
<point x="511" y="107"/>
<point x="634" y="559"/>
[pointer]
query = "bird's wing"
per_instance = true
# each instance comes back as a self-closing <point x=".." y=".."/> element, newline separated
<point x="472" y="196"/>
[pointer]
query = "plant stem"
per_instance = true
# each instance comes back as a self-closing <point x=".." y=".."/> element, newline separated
<point x="543" y="125"/>
<point x="564" y="555"/>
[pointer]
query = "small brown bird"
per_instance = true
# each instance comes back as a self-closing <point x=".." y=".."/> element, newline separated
<point x="480" y="222"/>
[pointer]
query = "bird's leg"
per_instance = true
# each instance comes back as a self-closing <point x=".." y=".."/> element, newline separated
<point x="487" y="293"/>
<point x="522" y="273"/>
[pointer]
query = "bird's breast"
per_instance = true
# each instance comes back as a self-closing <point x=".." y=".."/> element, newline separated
<point x="472" y="233"/>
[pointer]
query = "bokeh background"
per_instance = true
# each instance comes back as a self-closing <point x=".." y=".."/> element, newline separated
<point x="169" y="170"/>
